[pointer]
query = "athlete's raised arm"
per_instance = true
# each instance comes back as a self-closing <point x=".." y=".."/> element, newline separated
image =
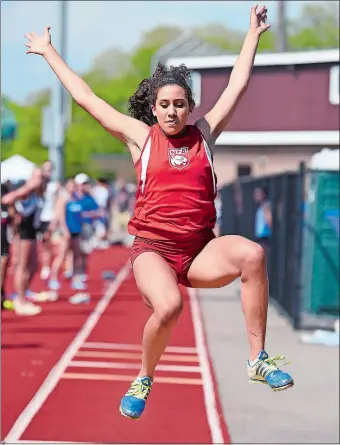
<point x="218" y="117"/>
<point x="25" y="190"/>
<point x="118" y="124"/>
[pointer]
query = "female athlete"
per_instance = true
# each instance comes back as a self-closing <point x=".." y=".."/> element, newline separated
<point x="175" y="214"/>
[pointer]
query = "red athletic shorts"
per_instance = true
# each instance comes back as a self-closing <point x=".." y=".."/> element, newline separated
<point x="178" y="254"/>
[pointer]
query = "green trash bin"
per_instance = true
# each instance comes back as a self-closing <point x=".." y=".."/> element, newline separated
<point x="320" y="254"/>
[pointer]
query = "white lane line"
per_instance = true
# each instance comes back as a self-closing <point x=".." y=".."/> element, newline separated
<point x="34" y="442"/>
<point x="208" y="385"/>
<point x="137" y="356"/>
<point x="131" y="347"/>
<point x="121" y="365"/>
<point x="130" y="378"/>
<point x="58" y="370"/>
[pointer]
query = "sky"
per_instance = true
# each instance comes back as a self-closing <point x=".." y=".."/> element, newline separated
<point x="95" y="26"/>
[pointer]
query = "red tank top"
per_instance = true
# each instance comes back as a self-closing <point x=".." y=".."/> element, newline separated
<point x="176" y="186"/>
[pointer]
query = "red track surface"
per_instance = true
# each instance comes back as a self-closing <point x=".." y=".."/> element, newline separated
<point x="83" y="403"/>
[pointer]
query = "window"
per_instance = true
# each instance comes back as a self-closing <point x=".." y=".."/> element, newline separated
<point x="243" y="170"/>
<point x="334" y="78"/>
<point x="195" y="85"/>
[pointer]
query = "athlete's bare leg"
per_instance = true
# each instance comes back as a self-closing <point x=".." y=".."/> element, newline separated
<point x="162" y="294"/>
<point x="46" y="254"/>
<point x="222" y="261"/>
<point x="59" y="259"/>
<point x="21" y="271"/>
<point x="3" y="273"/>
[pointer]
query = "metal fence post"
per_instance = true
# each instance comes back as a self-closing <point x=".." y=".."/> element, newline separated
<point x="299" y="211"/>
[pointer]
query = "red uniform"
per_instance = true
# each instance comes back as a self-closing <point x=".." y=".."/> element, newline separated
<point x="175" y="212"/>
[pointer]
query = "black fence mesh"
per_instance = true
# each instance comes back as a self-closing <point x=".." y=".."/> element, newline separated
<point x="285" y="194"/>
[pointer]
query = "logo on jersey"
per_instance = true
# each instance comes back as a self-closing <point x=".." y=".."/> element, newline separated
<point x="179" y="157"/>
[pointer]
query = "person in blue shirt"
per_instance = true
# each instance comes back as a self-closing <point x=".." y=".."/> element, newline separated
<point x="91" y="212"/>
<point x="75" y="209"/>
<point x="263" y="218"/>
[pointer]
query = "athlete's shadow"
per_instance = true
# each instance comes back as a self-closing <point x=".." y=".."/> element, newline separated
<point x="22" y="346"/>
<point x="45" y="329"/>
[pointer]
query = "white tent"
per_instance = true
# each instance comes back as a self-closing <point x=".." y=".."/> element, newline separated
<point x="16" y="168"/>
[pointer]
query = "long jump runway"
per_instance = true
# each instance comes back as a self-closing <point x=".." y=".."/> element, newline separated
<point x="65" y="371"/>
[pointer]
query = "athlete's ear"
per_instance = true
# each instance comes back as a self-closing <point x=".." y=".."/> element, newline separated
<point x="153" y="108"/>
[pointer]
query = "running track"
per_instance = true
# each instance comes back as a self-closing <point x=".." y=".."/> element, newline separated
<point x="65" y="371"/>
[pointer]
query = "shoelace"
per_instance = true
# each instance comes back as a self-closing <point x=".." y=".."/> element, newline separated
<point x="271" y="361"/>
<point x="139" y="390"/>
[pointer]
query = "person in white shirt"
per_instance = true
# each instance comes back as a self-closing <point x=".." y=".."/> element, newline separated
<point x="103" y="197"/>
<point x="47" y="216"/>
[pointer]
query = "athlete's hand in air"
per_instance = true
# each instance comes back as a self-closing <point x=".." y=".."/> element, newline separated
<point x="258" y="18"/>
<point x="38" y="44"/>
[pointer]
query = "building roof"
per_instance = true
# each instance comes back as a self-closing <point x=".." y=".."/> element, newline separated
<point x="184" y="46"/>
<point x="262" y="59"/>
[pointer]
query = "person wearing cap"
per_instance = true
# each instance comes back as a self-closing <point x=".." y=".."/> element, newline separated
<point x="74" y="207"/>
<point x="90" y="213"/>
<point x="103" y="197"/>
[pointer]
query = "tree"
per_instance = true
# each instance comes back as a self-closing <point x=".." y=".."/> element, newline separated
<point x="110" y="63"/>
<point x="317" y="27"/>
<point x="115" y="75"/>
<point x="160" y="36"/>
<point x="219" y="35"/>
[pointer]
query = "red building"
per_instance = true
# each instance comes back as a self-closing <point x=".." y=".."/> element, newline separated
<point x="289" y="112"/>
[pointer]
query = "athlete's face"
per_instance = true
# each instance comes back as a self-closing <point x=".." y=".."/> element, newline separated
<point x="171" y="109"/>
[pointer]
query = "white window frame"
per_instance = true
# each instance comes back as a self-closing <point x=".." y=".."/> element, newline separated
<point x="196" y="87"/>
<point x="334" y="89"/>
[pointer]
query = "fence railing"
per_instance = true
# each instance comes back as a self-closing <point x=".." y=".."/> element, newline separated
<point x="287" y="197"/>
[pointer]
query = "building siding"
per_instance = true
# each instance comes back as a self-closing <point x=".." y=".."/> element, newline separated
<point x="279" y="98"/>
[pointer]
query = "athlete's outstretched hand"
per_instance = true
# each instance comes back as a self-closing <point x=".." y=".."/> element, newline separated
<point x="38" y="44"/>
<point x="258" y="18"/>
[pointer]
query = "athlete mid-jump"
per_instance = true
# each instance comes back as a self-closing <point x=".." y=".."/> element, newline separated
<point x="175" y="213"/>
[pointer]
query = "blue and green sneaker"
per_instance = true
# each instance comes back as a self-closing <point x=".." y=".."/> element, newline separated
<point x="265" y="370"/>
<point x="133" y="403"/>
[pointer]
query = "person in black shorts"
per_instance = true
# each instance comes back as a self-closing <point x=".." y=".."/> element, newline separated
<point x="5" y="222"/>
<point x="28" y="201"/>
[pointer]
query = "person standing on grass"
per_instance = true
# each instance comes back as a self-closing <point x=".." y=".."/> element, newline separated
<point x="175" y="214"/>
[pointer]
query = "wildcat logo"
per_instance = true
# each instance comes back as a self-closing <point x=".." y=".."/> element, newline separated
<point x="179" y="157"/>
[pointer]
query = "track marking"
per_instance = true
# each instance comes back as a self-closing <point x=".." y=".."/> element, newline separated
<point x="136" y="356"/>
<point x="34" y="442"/>
<point x="131" y="347"/>
<point x="121" y="365"/>
<point x="130" y="378"/>
<point x="58" y="370"/>
<point x="208" y="385"/>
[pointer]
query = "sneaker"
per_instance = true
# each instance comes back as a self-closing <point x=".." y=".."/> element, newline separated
<point x="26" y="309"/>
<point x="44" y="296"/>
<point x="80" y="298"/>
<point x="265" y="370"/>
<point x="7" y="305"/>
<point x="68" y="274"/>
<point x="78" y="284"/>
<point x="133" y="403"/>
<point x="28" y="294"/>
<point x="83" y="277"/>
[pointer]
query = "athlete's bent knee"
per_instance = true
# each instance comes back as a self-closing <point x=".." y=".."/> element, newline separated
<point x="254" y="257"/>
<point x="169" y="312"/>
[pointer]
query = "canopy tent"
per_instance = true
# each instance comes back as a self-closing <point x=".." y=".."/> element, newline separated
<point x="16" y="168"/>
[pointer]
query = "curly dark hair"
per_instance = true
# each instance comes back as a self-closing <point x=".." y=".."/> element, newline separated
<point x="145" y="96"/>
